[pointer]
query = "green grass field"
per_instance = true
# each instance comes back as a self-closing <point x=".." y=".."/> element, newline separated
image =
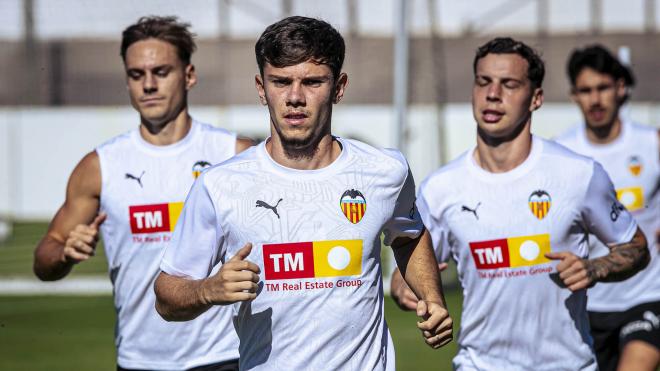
<point x="16" y="253"/>
<point x="76" y="332"/>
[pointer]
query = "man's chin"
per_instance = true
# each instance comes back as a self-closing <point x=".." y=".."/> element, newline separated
<point x="300" y="147"/>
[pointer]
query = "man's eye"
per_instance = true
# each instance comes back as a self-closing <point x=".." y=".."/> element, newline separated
<point x="134" y="75"/>
<point x="162" y="73"/>
<point x="481" y="82"/>
<point x="511" y="85"/>
<point x="313" y="83"/>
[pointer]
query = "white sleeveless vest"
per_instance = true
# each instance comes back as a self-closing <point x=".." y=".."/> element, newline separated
<point x="143" y="190"/>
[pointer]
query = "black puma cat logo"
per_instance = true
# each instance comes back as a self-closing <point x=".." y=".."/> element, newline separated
<point x="473" y="211"/>
<point x="137" y="179"/>
<point x="267" y="206"/>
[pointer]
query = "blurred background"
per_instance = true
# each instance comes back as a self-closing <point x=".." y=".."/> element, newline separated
<point x="62" y="92"/>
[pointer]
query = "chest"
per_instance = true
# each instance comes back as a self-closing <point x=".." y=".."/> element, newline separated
<point x="635" y="175"/>
<point x="146" y="194"/>
<point x="514" y="224"/>
<point x="276" y="210"/>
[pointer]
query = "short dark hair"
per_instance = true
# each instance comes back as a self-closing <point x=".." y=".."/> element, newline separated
<point x="167" y="29"/>
<point x="599" y="59"/>
<point x="507" y="45"/>
<point x="296" y="39"/>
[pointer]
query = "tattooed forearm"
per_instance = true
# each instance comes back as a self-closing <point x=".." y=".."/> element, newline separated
<point x="623" y="261"/>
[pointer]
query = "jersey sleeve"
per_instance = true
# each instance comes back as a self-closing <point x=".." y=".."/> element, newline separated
<point x="434" y="225"/>
<point x="405" y="220"/>
<point x="194" y="247"/>
<point x="603" y="214"/>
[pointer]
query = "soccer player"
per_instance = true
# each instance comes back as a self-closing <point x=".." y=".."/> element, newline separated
<point x="131" y="189"/>
<point x="515" y="213"/>
<point x="296" y="224"/>
<point x="624" y="316"/>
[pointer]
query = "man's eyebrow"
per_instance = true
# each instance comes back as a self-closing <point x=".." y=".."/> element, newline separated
<point x="158" y="67"/>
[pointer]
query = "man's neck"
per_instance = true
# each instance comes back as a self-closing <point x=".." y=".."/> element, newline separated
<point x="505" y="155"/>
<point x="327" y="151"/>
<point x="168" y="133"/>
<point x="605" y="134"/>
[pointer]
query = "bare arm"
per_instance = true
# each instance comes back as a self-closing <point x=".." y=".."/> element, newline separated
<point x="178" y="298"/>
<point x="419" y="268"/>
<point x="183" y="299"/>
<point x="243" y="143"/>
<point x="623" y="261"/>
<point x="73" y="232"/>
<point x="401" y="293"/>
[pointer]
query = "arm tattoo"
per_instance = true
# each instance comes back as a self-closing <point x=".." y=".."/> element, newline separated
<point x="623" y="261"/>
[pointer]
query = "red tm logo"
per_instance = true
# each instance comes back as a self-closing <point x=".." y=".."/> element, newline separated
<point x="289" y="260"/>
<point x="490" y="254"/>
<point x="149" y="218"/>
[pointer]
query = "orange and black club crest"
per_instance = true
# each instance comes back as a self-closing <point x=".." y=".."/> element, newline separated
<point x="198" y="167"/>
<point x="353" y="205"/>
<point x="539" y="203"/>
<point x="635" y="165"/>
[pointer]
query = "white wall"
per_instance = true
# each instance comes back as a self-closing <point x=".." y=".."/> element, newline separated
<point x="40" y="147"/>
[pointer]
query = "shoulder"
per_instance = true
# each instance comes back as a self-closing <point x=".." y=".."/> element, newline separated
<point x="243" y="143"/>
<point x="447" y="177"/>
<point x="391" y="158"/>
<point x="116" y="142"/>
<point x="644" y="132"/>
<point x="560" y="153"/>
<point x="240" y="162"/>
<point x="569" y="136"/>
<point x="86" y="176"/>
<point x="214" y="131"/>
<point x="563" y="162"/>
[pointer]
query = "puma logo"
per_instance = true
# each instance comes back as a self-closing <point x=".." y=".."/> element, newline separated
<point x="267" y="206"/>
<point x="137" y="179"/>
<point x="473" y="211"/>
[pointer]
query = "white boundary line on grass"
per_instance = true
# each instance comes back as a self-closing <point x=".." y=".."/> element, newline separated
<point x="93" y="285"/>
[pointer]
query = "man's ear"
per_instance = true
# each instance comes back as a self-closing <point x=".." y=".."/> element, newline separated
<point x="259" y="84"/>
<point x="340" y="87"/>
<point x="537" y="100"/>
<point x="191" y="76"/>
<point x="621" y="89"/>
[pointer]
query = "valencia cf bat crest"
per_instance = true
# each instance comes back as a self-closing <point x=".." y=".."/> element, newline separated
<point x="198" y="167"/>
<point x="353" y="205"/>
<point x="634" y="165"/>
<point x="539" y="203"/>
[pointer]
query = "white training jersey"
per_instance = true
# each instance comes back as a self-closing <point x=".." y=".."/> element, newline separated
<point x="517" y="314"/>
<point x="143" y="189"/>
<point x="633" y="162"/>
<point x="316" y="238"/>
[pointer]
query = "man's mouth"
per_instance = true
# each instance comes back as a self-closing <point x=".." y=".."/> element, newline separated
<point x="151" y="100"/>
<point x="597" y="113"/>
<point x="295" y="118"/>
<point x="491" y="116"/>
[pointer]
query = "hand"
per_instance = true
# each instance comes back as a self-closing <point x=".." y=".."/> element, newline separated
<point x="80" y="244"/>
<point x="436" y="324"/>
<point x="235" y="281"/>
<point x="403" y="296"/>
<point x="573" y="271"/>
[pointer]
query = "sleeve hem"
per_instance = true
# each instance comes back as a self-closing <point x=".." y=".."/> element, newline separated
<point x="171" y="270"/>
